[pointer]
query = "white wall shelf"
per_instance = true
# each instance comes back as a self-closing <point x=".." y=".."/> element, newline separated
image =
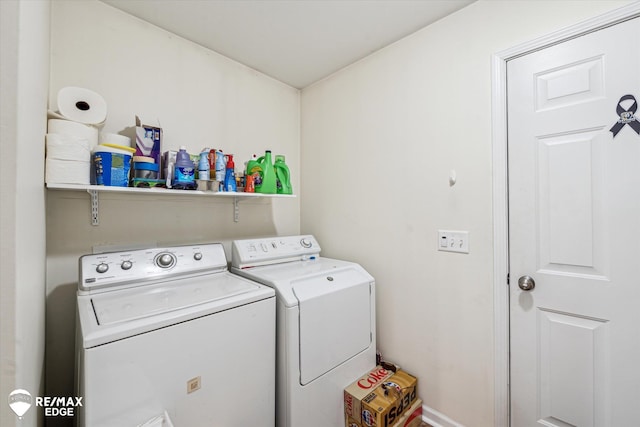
<point x="94" y="190"/>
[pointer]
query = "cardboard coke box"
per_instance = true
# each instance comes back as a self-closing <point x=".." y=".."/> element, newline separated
<point x="358" y="390"/>
<point x="412" y="417"/>
<point x="387" y="402"/>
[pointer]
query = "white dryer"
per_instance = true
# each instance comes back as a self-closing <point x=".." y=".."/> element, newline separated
<point x="169" y="334"/>
<point x="326" y="334"/>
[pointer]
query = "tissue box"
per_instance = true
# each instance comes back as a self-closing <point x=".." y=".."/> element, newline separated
<point x="387" y="402"/>
<point x="148" y="141"/>
<point x="359" y="389"/>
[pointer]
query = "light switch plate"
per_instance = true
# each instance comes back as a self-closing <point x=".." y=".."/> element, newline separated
<point x="453" y="241"/>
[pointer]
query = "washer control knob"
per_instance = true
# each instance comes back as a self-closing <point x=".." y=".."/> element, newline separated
<point x="165" y="260"/>
<point x="306" y="243"/>
<point x="102" y="268"/>
<point x="197" y="256"/>
<point x="126" y="265"/>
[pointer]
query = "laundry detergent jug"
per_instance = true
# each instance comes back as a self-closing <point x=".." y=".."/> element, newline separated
<point x="267" y="177"/>
<point x="184" y="175"/>
<point x="283" y="179"/>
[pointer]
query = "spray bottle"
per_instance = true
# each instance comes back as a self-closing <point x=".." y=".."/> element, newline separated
<point x="230" y="176"/>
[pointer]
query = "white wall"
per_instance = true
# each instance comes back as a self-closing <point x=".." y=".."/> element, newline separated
<point x="200" y="99"/>
<point x="24" y="80"/>
<point x="379" y="140"/>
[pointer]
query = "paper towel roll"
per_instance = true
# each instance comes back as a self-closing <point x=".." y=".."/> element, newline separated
<point x="82" y="105"/>
<point x="63" y="147"/>
<point x="67" y="172"/>
<point x="115" y="138"/>
<point x="75" y="130"/>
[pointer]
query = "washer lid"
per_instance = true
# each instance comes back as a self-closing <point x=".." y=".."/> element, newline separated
<point x="116" y="315"/>
<point x="281" y="277"/>
<point x="130" y="304"/>
<point x="335" y="319"/>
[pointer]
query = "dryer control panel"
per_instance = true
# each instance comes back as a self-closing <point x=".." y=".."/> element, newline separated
<point x="273" y="250"/>
<point x="99" y="272"/>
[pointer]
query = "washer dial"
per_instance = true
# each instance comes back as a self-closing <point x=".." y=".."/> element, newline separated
<point x="165" y="260"/>
<point x="102" y="268"/>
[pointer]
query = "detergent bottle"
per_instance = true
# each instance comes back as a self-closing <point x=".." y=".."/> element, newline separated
<point x="220" y="168"/>
<point x="203" y="165"/>
<point x="267" y="175"/>
<point x="230" y="176"/>
<point x="283" y="180"/>
<point x="184" y="175"/>
<point x="212" y="164"/>
<point x="252" y="174"/>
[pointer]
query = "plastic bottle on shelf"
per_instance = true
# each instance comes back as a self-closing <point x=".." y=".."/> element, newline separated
<point x="267" y="175"/>
<point x="203" y="165"/>
<point x="212" y="164"/>
<point x="252" y="173"/>
<point x="184" y="170"/>
<point x="230" y="176"/>
<point x="220" y="168"/>
<point x="283" y="179"/>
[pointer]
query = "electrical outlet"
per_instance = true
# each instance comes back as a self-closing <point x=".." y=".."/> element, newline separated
<point x="193" y="385"/>
<point x="453" y="241"/>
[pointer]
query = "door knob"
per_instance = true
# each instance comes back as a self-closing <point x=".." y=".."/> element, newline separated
<point x="526" y="283"/>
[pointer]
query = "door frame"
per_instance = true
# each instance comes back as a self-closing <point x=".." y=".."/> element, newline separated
<point x="500" y="189"/>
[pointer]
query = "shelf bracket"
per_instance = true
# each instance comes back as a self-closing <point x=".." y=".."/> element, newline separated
<point x="95" y="211"/>
<point x="236" y="210"/>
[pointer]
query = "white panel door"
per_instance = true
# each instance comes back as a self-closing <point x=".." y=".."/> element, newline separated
<point x="574" y="228"/>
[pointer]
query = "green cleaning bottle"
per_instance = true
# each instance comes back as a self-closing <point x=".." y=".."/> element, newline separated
<point x="283" y="179"/>
<point x="267" y="184"/>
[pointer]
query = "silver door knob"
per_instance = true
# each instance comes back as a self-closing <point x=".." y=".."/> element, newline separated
<point x="526" y="283"/>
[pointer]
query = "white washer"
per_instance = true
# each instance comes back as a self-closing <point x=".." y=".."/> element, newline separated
<point x="170" y="329"/>
<point x="326" y="335"/>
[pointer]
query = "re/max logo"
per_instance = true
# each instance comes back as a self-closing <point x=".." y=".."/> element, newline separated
<point x="58" y="401"/>
<point x="58" y="406"/>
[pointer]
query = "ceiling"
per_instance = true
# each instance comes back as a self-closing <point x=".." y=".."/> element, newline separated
<point x="295" y="41"/>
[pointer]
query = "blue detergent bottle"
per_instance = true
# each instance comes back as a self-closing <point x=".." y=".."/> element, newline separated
<point x="230" y="175"/>
<point x="203" y="165"/>
<point x="220" y="168"/>
<point x="184" y="175"/>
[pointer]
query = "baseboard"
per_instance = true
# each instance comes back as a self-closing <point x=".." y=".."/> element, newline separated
<point x="436" y="419"/>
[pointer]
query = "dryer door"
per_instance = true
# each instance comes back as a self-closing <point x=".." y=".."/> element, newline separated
<point x="335" y="320"/>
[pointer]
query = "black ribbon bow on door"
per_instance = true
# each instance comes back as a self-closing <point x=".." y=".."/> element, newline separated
<point x="627" y="116"/>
